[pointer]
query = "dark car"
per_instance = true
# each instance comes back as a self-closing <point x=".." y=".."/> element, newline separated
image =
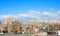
<point x="52" y="32"/>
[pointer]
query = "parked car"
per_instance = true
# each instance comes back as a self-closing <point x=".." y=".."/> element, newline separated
<point x="52" y="32"/>
<point x="1" y="33"/>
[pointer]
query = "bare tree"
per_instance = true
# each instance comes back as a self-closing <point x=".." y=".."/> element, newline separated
<point x="17" y="27"/>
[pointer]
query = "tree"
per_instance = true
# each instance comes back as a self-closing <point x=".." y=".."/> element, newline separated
<point x="49" y="27"/>
<point x="17" y="27"/>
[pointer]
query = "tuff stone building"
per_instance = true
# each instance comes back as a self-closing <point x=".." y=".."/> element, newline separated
<point x="9" y="23"/>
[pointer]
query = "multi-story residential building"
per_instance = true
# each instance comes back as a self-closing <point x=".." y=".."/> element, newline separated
<point x="8" y="24"/>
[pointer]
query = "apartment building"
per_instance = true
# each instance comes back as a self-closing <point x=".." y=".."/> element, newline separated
<point x="8" y="25"/>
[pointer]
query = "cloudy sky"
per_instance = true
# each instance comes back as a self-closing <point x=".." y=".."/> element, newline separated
<point x="26" y="10"/>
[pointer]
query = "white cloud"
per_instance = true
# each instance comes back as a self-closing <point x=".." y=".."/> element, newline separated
<point x="45" y="13"/>
<point x="22" y="15"/>
<point x="35" y="15"/>
<point x="8" y="16"/>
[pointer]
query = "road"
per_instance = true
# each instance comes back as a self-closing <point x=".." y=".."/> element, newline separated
<point x="26" y="35"/>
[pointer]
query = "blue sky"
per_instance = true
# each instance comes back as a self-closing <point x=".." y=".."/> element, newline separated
<point x="43" y="9"/>
<point x="23" y="6"/>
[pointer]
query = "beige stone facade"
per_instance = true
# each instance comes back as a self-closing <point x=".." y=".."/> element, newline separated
<point x="11" y="24"/>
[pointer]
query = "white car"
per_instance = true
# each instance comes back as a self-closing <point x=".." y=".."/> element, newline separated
<point x="1" y="32"/>
<point x="58" y="32"/>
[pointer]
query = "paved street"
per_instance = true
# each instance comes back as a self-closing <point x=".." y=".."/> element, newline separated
<point x="15" y="34"/>
<point x="27" y="35"/>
